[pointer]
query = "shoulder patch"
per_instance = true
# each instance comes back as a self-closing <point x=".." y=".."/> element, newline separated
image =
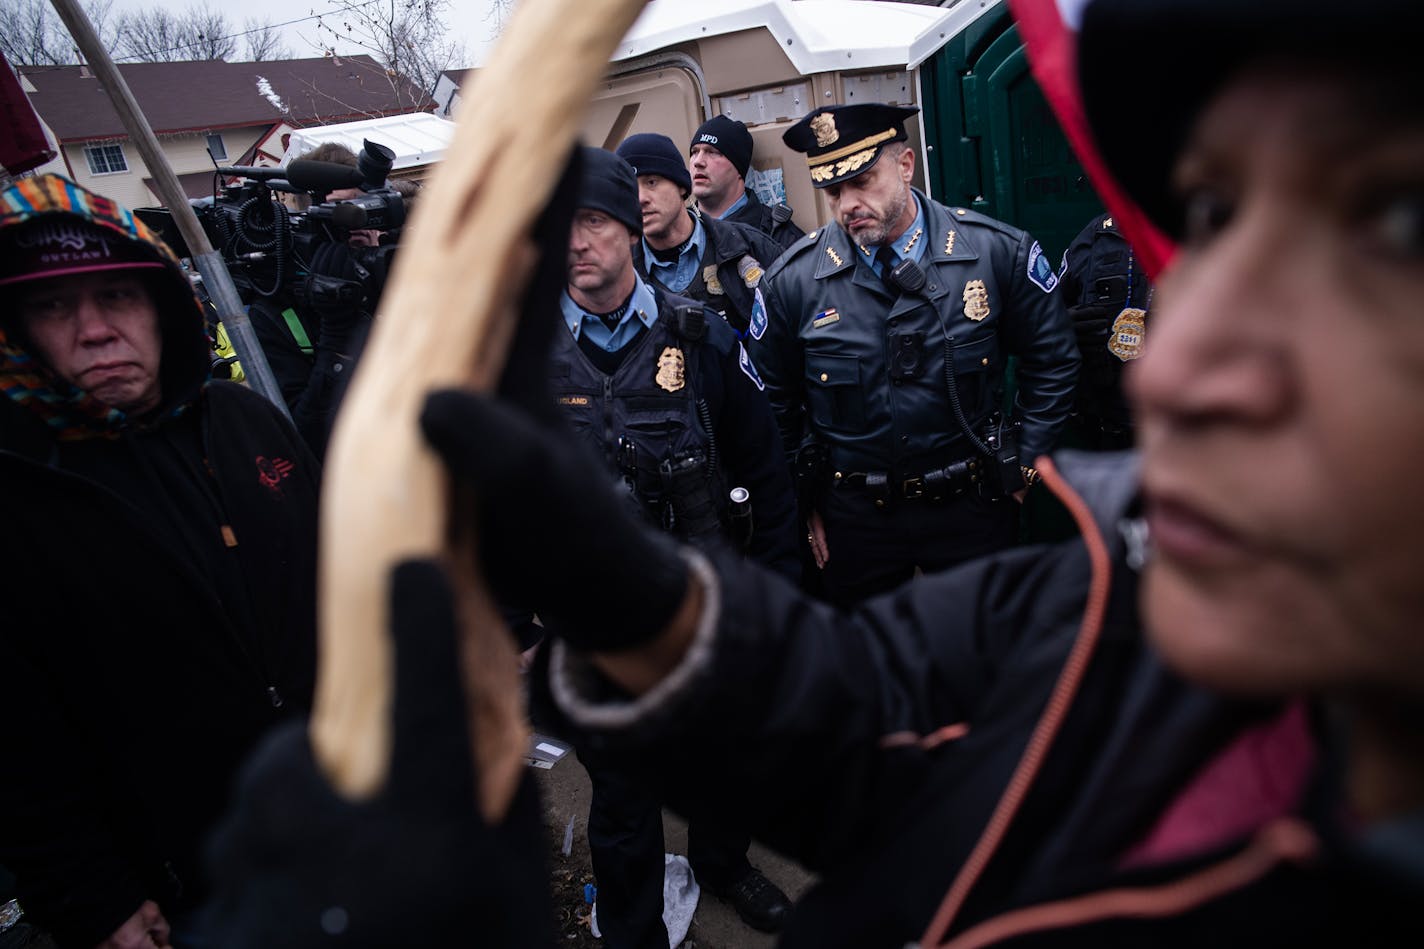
<point x="758" y="321"/>
<point x="1040" y="271"/>
<point x="745" y="362"/>
<point x="749" y="270"/>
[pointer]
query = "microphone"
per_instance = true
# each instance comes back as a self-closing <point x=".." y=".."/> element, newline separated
<point x="255" y="172"/>
<point x="321" y="176"/>
<point x="303" y="174"/>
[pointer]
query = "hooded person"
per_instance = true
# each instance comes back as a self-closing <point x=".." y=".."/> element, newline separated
<point x="160" y="610"/>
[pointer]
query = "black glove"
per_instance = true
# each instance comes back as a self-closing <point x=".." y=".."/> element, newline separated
<point x="1091" y="324"/>
<point x="294" y="864"/>
<point x="553" y="534"/>
<point x="337" y="290"/>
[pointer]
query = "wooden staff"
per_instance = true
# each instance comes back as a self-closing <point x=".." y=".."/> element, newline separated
<point x="447" y="320"/>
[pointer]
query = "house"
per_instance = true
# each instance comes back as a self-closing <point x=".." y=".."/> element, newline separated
<point x="447" y="91"/>
<point x="239" y="113"/>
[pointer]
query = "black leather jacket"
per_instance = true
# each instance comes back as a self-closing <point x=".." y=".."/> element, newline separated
<point x="739" y="256"/>
<point x="825" y="352"/>
<point x="774" y="221"/>
<point x="1101" y="278"/>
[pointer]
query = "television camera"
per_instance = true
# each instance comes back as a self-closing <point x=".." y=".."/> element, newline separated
<point x="272" y="249"/>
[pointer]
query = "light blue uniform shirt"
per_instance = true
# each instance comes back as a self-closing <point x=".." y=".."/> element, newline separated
<point x="677" y="276"/>
<point x="737" y="205"/>
<point x="908" y="246"/>
<point x="580" y="322"/>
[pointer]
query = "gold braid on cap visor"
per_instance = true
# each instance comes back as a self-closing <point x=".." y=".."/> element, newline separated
<point x="842" y="160"/>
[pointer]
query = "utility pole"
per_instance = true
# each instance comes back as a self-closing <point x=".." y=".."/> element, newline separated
<point x="209" y="263"/>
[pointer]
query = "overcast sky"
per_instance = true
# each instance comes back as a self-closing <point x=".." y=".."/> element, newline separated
<point x="469" y="20"/>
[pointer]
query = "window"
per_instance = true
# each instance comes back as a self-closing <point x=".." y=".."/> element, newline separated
<point x="106" y="159"/>
<point x="216" y="148"/>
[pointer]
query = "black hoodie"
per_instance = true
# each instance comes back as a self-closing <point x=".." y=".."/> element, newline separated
<point x="159" y="581"/>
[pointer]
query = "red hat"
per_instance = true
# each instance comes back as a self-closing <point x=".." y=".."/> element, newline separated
<point x="57" y="245"/>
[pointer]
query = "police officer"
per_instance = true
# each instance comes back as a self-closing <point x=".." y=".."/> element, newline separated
<point x="719" y="158"/>
<point x="664" y="391"/>
<point x="884" y="355"/>
<point x="719" y="263"/>
<point x="1109" y="297"/>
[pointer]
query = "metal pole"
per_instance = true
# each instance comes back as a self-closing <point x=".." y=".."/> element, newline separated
<point x="209" y="263"/>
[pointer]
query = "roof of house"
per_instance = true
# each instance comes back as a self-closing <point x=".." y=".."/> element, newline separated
<point x="200" y="95"/>
<point x="456" y="76"/>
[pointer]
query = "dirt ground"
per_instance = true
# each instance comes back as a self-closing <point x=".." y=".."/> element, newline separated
<point x="715" y="925"/>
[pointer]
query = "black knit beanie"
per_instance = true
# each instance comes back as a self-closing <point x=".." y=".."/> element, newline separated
<point x="729" y="137"/>
<point x="607" y="184"/>
<point x="652" y="154"/>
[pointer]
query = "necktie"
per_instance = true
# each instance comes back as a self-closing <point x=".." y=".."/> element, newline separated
<point x="885" y="257"/>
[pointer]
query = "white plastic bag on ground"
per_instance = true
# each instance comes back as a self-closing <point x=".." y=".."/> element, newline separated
<point x="680" y="895"/>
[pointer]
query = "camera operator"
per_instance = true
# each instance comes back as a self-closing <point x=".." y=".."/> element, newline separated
<point x="312" y="329"/>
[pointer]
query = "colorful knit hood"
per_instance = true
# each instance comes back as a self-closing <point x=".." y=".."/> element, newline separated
<point x="68" y="412"/>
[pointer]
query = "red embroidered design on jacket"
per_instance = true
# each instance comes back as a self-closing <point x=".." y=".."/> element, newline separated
<point x="272" y="471"/>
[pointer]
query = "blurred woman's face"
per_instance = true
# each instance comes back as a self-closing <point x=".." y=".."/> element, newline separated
<point x="1281" y="395"/>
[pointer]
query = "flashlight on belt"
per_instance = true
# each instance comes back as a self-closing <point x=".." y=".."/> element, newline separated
<point x="741" y="516"/>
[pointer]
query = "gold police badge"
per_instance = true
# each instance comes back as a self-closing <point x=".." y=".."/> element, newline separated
<point x="670" y="377"/>
<point x="976" y="300"/>
<point x="824" y="128"/>
<point x="1129" y="332"/>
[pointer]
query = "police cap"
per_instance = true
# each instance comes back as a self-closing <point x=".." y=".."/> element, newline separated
<point x="1147" y="68"/>
<point x="842" y="141"/>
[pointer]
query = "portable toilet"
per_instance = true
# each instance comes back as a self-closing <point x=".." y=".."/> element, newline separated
<point x="985" y="137"/>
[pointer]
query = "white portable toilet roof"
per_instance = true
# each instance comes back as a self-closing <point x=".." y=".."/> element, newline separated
<point x="418" y="138"/>
<point x="816" y="35"/>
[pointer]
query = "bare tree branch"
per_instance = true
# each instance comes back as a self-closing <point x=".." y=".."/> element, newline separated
<point x="264" y="42"/>
<point x="209" y="34"/>
<point x="408" y="37"/>
<point x="31" y="33"/>
<point x="158" y="35"/>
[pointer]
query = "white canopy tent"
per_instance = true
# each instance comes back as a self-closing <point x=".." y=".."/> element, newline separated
<point x="418" y="139"/>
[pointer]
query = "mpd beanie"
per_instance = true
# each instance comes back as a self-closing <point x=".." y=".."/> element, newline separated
<point x="651" y="154"/>
<point x="607" y="184"/>
<point x="729" y="137"/>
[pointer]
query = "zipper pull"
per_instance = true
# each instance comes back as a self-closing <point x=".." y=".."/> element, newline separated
<point x="275" y="697"/>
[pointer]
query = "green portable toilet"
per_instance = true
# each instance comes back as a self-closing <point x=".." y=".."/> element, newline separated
<point x="993" y="143"/>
